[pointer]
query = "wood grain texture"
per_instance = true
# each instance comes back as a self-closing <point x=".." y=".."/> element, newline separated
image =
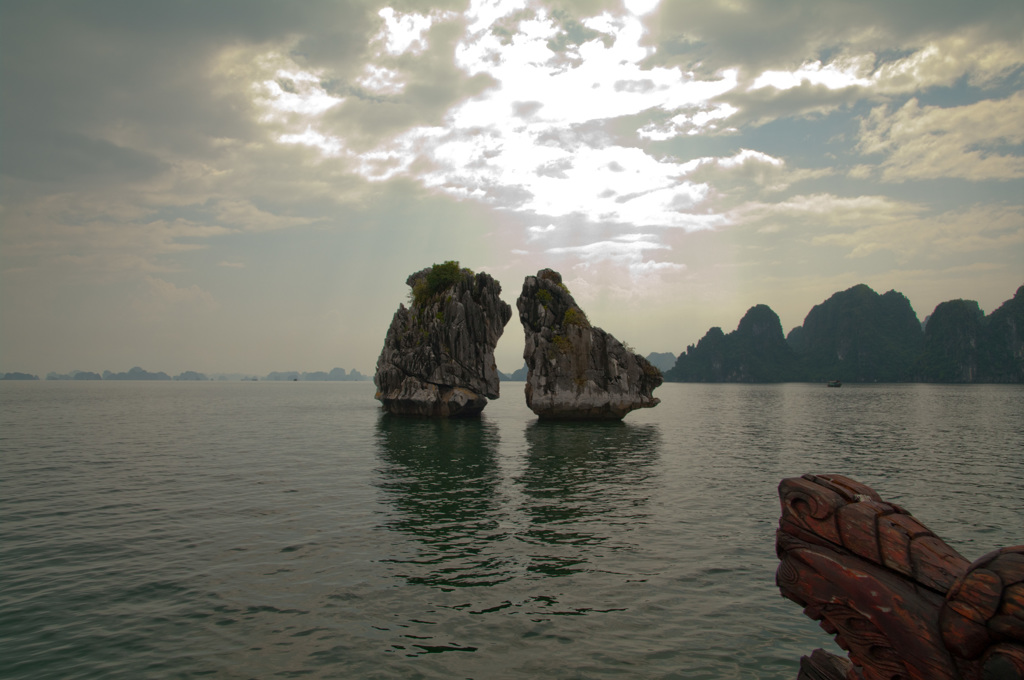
<point x="898" y="599"/>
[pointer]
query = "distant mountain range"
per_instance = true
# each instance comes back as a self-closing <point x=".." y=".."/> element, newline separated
<point x="336" y="374"/>
<point x="858" y="335"/>
<point x="518" y="375"/>
<point x="663" y="361"/>
<point x="137" y="373"/>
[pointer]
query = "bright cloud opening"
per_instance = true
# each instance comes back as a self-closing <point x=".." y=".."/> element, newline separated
<point x="327" y="145"/>
<point x="298" y="92"/>
<point x="403" y="32"/>
<point x="836" y="75"/>
<point x="514" y="145"/>
<point x="641" y="7"/>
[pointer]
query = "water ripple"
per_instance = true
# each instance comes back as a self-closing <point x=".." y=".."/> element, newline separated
<point x="257" y="530"/>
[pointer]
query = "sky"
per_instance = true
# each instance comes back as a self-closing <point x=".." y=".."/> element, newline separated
<point x="244" y="185"/>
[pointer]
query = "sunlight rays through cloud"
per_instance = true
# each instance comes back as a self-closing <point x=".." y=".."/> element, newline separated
<point x="835" y="75"/>
<point x="532" y="143"/>
<point x="518" y="146"/>
<point x="535" y="142"/>
<point x="622" y="252"/>
<point x="690" y="157"/>
<point x="403" y="32"/>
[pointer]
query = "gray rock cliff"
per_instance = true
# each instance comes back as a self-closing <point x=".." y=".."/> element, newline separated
<point x="438" y="356"/>
<point x="577" y="371"/>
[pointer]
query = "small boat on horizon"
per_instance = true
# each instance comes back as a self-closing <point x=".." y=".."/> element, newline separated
<point x="835" y="383"/>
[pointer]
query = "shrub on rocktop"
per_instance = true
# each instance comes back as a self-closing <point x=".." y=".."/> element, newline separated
<point x="439" y="278"/>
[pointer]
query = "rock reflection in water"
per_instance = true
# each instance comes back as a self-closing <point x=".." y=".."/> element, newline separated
<point x="572" y="505"/>
<point x="441" y="478"/>
<point x="583" y="484"/>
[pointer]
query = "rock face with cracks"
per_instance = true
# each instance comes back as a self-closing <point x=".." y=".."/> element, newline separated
<point x="438" y="356"/>
<point x="577" y="371"/>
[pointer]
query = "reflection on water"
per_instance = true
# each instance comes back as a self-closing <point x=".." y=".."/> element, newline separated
<point x="292" y="530"/>
<point x="583" y="489"/>
<point x="583" y="484"/>
<point x="441" y="478"/>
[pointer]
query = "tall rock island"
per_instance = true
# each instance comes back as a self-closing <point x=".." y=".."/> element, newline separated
<point x="438" y="356"/>
<point x="577" y="371"/>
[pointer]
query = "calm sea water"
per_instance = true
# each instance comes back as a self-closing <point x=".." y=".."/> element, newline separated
<point x="263" y="530"/>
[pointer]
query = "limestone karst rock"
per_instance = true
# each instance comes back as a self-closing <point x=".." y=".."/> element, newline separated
<point x="438" y="356"/>
<point x="577" y="371"/>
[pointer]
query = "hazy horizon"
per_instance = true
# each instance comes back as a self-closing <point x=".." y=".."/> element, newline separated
<point x="503" y="343"/>
<point x="243" y="188"/>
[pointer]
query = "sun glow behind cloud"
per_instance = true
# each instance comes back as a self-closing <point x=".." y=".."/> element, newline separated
<point x="515" y="146"/>
<point x="522" y="145"/>
<point x="692" y="157"/>
<point x="835" y="75"/>
<point x="304" y="94"/>
<point x="404" y="32"/>
<point x="535" y="141"/>
<point x="641" y="7"/>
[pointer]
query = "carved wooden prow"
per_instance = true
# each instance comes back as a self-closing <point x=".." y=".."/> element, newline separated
<point x="901" y="602"/>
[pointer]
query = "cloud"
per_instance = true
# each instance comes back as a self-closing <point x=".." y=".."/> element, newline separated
<point x="625" y="251"/>
<point x="297" y="91"/>
<point x="514" y="169"/>
<point x="536" y="232"/>
<point x="243" y="214"/>
<point x="625" y="246"/>
<point x="627" y="267"/>
<point x="414" y="88"/>
<point x="969" y="142"/>
<point x="941" y="62"/>
<point x="61" y="156"/>
<point x="761" y="106"/>
<point x="973" y="229"/>
<point x="106" y="238"/>
<point x="936" y="62"/>
<point x="165" y="293"/>
<point x="140" y="78"/>
<point x="795" y="61"/>
<point x="810" y="218"/>
<point x="403" y="32"/>
<point x="816" y="88"/>
<point x="865" y="226"/>
<point x="147" y="143"/>
<point x="640" y="7"/>
<point x="823" y="211"/>
<point x="691" y="120"/>
<point x="835" y="75"/>
<point x="329" y="146"/>
<point x="495" y="144"/>
<point x="750" y="172"/>
<point x="760" y="36"/>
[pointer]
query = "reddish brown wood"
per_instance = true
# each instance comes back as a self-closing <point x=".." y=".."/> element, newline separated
<point x="896" y="533"/>
<point x="858" y="527"/>
<point x="897" y="598"/>
<point x="821" y="665"/>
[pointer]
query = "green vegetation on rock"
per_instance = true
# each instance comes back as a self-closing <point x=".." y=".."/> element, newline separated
<point x="437" y="279"/>
<point x="562" y="344"/>
<point x="574" y="316"/>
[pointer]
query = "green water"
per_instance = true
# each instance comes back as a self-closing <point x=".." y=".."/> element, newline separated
<point x="241" y="530"/>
